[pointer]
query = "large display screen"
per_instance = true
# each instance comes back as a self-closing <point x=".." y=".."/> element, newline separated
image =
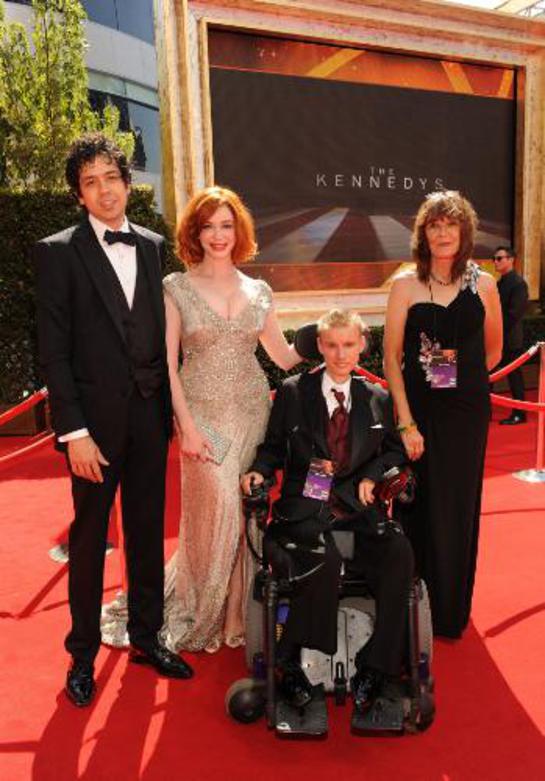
<point x="334" y="149"/>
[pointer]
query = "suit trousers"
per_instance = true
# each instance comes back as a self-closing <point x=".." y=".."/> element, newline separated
<point x="384" y="561"/>
<point x="515" y="379"/>
<point x="139" y="471"/>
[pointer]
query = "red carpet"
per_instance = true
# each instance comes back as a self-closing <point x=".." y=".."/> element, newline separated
<point x="490" y="685"/>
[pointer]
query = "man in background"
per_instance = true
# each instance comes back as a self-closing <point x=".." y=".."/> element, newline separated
<point x="513" y="292"/>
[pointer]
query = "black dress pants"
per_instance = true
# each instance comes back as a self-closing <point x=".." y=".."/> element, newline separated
<point x="140" y="471"/>
<point x="385" y="561"/>
<point x="515" y="378"/>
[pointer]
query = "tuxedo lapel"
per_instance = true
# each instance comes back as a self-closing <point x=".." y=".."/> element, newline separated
<point x="98" y="268"/>
<point x="315" y="411"/>
<point x="360" y="422"/>
<point x="149" y="264"/>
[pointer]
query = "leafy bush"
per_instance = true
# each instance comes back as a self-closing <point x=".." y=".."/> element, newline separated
<point x="24" y="219"/>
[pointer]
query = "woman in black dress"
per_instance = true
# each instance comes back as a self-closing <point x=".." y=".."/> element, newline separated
<point x="443" y="334"/>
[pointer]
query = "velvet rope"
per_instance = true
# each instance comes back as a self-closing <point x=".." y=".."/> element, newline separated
<point x="10" y="458"/>
<point x="25" y="405"/>
<point x="505" y="370"/>
<point x="525" y="406"/>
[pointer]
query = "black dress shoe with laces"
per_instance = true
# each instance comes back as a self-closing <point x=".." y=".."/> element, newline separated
<point x="366" y="685"/>
<point x="165" y="662"/>
<point x="80" y="685"/>
<point x="293" y="685"/>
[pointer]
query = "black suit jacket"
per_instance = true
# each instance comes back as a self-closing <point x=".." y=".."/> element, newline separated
<point x="83" y="353"/>
<point x="296" y="433"/>
<point x="513" y="292"/>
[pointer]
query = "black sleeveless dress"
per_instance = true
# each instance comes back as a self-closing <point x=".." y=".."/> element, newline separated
<point x="443" y="522"/>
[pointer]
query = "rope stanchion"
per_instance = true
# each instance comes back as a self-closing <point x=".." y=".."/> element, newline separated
<point x="25" y="405"/>
<point x="537" y="475"/>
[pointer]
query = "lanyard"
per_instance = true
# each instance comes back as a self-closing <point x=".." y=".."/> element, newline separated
<point x="455" y="328"/>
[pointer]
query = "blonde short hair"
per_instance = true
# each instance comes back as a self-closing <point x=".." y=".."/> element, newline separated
<point x="341" y="318"/>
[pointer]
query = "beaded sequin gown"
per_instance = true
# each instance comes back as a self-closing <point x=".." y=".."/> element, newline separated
<point x="443" y="523"/>
<point x="207" y="579"/>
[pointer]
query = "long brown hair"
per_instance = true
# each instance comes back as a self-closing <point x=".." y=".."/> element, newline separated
<point x="452" y="205"/>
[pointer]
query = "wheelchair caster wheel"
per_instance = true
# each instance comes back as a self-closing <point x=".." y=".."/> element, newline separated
<point x="245" y="700"/>
<point x="426" y="712"/>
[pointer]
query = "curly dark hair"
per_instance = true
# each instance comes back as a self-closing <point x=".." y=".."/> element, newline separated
<point x="87" y="148"/>
<point x="452" y="205"/>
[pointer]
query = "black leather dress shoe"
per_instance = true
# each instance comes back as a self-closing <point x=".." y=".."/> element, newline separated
<point x="293" y="685"/>
<point x="365" y="685"/>
<point x="80" y="685"/>
<point x="513" y="420"/>
<point x="165" y="662"/>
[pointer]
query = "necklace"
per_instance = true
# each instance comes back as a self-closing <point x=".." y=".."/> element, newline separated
<point x="440" y="281"/>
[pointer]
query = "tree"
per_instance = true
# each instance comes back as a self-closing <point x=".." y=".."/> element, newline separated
<point x="44" y="102"/>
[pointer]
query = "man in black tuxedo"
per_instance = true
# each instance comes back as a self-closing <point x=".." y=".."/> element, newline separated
<point x="101" y="327"/>
<point x="323" y="417"/>
<point x="513" y="292"/>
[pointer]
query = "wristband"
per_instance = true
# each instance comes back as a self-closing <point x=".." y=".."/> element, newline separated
<point x="401" y="429"/>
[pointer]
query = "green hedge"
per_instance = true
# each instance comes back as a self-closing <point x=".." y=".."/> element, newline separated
<point x="25" y="218"/>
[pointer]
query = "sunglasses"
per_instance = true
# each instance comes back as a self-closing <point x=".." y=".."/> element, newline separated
<point x="497" y="258"/>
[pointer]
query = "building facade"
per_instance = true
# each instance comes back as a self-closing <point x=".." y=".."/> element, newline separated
<point x="122" y="68"/>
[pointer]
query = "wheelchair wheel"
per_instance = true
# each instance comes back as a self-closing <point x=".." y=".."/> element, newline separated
<point x="426" y="713"/>
<point x="245" y="700"/>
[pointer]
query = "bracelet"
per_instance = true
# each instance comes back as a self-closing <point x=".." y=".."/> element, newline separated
<point x="402" y="429"/>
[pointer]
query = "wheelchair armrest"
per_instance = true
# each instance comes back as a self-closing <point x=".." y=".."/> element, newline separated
<point x="397" y="483"/>
<point x="257" y="503"/>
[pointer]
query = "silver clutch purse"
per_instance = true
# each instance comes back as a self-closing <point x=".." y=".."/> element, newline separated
<point x="220" y="443"/>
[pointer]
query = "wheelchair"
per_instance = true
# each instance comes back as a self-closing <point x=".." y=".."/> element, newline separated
<point x="407" y="706"/>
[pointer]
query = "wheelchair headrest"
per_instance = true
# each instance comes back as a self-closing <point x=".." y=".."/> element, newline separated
<point x="306" y="342"/>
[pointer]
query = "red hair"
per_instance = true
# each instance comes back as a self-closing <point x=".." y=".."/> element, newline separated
<point x="199" y="210"/>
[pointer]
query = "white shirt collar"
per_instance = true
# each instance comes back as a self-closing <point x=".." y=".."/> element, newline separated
<point x="100" y="228"/>
<point x="327" y="386"/>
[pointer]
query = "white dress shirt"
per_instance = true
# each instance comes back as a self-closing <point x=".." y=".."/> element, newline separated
<point x="123" y="260"/>
<point x="121" y="256"/>
<point x="328" y="385"/>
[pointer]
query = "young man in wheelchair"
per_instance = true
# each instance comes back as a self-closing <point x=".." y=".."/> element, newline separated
<point x="333" y="434"/>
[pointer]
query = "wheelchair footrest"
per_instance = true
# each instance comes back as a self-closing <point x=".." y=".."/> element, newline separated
<point x="310" y="720"/>
<point x="384" y="715"/>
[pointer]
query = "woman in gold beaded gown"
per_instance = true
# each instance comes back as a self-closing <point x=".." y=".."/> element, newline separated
<point x="220" y="398"/>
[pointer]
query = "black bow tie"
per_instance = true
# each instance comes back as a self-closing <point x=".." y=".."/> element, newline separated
<point x="112" y="237"/>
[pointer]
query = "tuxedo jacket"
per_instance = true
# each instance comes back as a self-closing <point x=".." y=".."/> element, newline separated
<point x="82" y="342"/>
<point x="296" y="433"/>
<point x="513" y="292"/>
